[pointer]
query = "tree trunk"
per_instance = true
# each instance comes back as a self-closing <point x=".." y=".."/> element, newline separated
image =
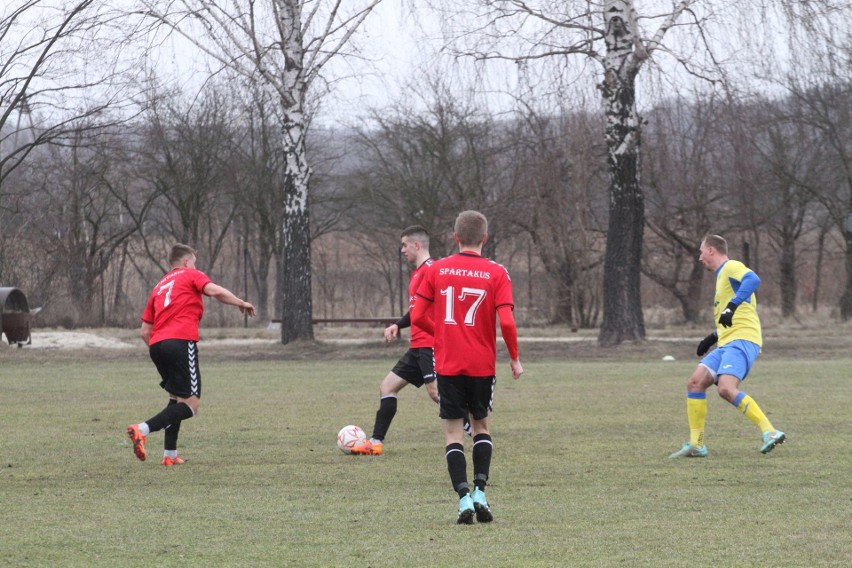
<point x="622" y="317"/>
<point x="846" y="300"/>
<point x="787" y="277"/>
<point x="294" y="268"/>
<point x="690" y="302"/>
<point x="564" y="309"/>
<point x="260" y="277"/>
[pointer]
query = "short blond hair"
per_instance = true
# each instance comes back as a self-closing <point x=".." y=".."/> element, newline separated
<point x="717" y="242"/>
<point x="471" y="228"/>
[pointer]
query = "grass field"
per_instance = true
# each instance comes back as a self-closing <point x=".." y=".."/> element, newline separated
<point x="580" y="475"/>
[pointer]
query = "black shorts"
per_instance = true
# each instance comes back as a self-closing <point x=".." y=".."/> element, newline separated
<point x="417" y="366"/>
<point x="462" y="396"/>
<point x="177" y="362"/>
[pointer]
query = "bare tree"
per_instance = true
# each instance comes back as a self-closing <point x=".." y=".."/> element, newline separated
<point x="61" y="65"/>
<point x="188" y="161"/>
<point x="607" y="34"/>
<point x="281" y="46"/>
<point x="821" y="114"/>
<point x="559" y="176"/>
<point x="621" y="38"/>
<point x="689" y="194"/>
<point x="791" y="153"/>
<point x="79" y="223"/>
<point x="425" y="166"/>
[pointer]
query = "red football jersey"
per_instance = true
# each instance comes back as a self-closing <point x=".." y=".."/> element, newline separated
<point x="466" y="291"/>
<point x="419" y="336"/>
<point x="176" y="305"/>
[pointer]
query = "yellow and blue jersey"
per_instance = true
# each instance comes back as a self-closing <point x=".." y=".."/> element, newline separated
<point x="736" y="283"/>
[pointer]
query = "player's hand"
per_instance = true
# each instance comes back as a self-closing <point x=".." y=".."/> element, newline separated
<point x="247" y="308"/>
<point x="432" y="389"/>
<point x="727" y="317"/>
<point x="517" y="369"/>
<point x="391" y="333"/>
<point x="706" y="343"/>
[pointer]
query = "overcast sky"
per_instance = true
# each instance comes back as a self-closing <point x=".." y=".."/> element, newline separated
<point x="400" y="53"/>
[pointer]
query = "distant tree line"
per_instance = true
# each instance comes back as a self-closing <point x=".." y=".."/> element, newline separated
<point x="86" y="223"/>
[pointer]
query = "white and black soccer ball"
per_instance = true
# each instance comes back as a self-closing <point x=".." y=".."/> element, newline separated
<point x="350" y="436"/>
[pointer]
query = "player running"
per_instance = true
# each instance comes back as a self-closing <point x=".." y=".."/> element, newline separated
<point x="170" y="330"/>
<point x="464" y="294"/>
<point x="739" y="341"/>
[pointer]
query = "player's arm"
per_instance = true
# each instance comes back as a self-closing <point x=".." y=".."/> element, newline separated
<point x="510" y="336"/>
<point x="748" y="285"/>
<point x="227" y="297"/>
<point x="421" y="314"/>
<point x="392" y="331"/>
<point x="145" y="332"/>
<point x="705" y="344"/>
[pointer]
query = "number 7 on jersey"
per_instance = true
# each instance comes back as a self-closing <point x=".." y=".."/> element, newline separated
<point x="168" y="288"/>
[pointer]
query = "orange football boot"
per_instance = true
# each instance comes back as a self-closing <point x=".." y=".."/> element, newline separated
<point x="138" y="442"/>
<point x="168" y="462"/>
<point x="368" y="448"/>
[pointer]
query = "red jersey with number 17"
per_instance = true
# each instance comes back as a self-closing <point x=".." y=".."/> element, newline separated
<point x="176" y="305"/>
<point x="466" y="291"/>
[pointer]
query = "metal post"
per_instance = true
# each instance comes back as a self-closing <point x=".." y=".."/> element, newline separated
<point x="245" y="276"/>
<point x="401" y="286"/>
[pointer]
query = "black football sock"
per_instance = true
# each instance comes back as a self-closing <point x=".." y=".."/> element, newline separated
<point x="384" y="416"/>
<point x="171" y="433"/>
<point x="457" y="466"/>
<point x="171" y="414"/>
<point x="482" y="450"/>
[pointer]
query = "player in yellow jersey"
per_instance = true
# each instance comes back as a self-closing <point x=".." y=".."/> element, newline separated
<point x="739" y="337"/>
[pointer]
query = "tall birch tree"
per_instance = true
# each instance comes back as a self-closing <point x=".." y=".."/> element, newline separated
<point x="281" y="46"/>
<point x="706" y="40"/>
<point x="606" y="33"/>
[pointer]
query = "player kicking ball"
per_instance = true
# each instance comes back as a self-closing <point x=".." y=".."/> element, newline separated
<point x="416" y="366"/>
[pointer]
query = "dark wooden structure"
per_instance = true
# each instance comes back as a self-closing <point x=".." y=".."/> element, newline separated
<point x="15" y="316"/>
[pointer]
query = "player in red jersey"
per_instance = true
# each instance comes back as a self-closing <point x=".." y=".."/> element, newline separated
<point x="465" y="293"/>
<point x="170" y="329"/>
<point x="416" y="367"/>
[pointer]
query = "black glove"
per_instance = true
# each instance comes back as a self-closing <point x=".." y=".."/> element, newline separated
<point x="706" y="344"/>
<point x="727" y="317"/>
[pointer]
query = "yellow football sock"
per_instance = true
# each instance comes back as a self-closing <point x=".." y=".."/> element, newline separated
<point x="696" y="411"/>
<point x="752" y="411"/>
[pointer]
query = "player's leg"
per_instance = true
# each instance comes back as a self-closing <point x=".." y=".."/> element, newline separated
<point x="737" y="360"/>
<point x="177" y="362"/>
<point x="427" y="371"/>
<point x="388" y="393"/>
<point x="406" y="371"/>
<point x="452" y="410"/>
<point x="138" y="432"/>
<point x="696" y="407"/>
<point x="457" y="468"/>
<point x="170" y="438"/>
<point x="182" y="409"/>
<point x="483" y="445"/>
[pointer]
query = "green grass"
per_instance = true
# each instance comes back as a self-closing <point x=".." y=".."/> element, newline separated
<point x="580" y="475"/>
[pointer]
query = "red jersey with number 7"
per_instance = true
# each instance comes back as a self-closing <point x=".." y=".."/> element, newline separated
<point x="466" y="291"/>
<point x="176" y="305"/>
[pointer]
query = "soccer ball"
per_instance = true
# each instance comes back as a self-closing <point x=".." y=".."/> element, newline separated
<point x="350" y="436"/>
